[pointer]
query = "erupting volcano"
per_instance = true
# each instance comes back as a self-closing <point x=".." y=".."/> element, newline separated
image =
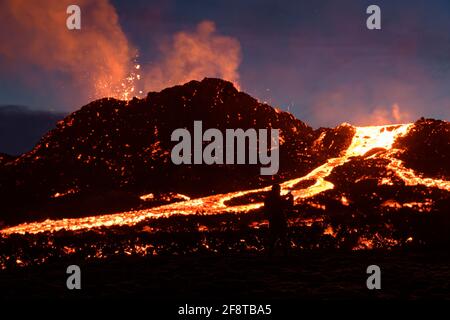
<point x="107" y="167"/>
<point x="195" y="155"/>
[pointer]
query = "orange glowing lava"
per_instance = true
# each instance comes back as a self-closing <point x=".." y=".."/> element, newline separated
<point x="125" y="90"/>
<point x="364" y="140"/>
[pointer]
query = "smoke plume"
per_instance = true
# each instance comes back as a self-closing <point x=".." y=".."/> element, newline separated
<point x="394" y="115"/>
<point x="195" y="55"/>
<point x="96" y="58"/>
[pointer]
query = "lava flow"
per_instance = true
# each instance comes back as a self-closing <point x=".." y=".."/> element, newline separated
<point x="364" y="140"/>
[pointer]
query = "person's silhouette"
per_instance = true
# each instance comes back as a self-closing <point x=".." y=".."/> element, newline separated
<point x="274" y="208"/>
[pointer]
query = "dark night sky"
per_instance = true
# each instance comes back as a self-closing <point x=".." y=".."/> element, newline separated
<point x="313" y="58"/>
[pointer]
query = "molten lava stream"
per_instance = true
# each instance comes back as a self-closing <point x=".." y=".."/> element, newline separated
<point x="365" y="139"/>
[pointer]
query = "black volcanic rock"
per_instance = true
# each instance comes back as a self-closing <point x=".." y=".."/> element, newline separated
<point x="103" y="156"/>
<point x="426" y="148"/>
<point x="331" y="142"/>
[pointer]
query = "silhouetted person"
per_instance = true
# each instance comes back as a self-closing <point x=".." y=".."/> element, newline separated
<point x="275" y="208"/>
<point x="289" y="202"/>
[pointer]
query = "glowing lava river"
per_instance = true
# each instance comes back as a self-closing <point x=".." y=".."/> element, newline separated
<point x="364" y="140"/>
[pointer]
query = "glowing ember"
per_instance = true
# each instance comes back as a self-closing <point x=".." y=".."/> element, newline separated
<point x="375" y="241"/>
<point x="329" y="231"/>
<point x="63" y="194"/>
<point x="146" y="197"/>
<point x="345" y="201"/>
